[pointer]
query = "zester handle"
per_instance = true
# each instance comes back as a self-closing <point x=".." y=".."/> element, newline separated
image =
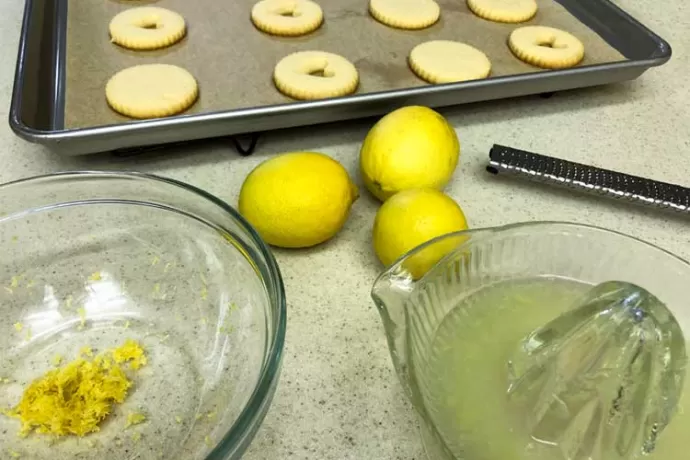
<point x="586" y="178"/>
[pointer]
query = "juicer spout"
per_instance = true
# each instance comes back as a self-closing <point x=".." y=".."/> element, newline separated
<point x="395" y="286"/>
<point x="391" y="291"/>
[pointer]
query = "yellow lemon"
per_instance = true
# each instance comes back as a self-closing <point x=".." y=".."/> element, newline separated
<point x="411" y="218"/>
<point x="297" y="199"/>
<point x="412" y="147"/>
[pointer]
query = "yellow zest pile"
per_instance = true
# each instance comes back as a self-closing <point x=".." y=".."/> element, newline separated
<point x="130" y="352"/>
<point x="76" y="398"/>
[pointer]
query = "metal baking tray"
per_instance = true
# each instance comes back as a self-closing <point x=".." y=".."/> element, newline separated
<point x="37" y="112"/>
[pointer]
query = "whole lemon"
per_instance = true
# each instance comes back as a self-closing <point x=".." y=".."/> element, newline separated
<point x="411" y="218"/>
<point x="412" y="147"/>
<point x="297" y="199"/>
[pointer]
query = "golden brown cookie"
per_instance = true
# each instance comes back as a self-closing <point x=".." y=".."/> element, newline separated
<point x="546" y="47"/>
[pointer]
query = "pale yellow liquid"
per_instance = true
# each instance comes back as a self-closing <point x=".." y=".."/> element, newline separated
<point x="465" y="392"/>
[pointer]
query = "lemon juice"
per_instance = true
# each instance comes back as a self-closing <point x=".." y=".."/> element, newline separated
<point x="465" y="390"/>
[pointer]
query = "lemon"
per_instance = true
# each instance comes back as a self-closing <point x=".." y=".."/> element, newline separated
<point x="412" y="147"/>
<point x="297" y="199"/>
<point x="411" y="218"/>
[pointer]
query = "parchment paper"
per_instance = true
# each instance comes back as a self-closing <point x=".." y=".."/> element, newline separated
<point x="233" y="62"/>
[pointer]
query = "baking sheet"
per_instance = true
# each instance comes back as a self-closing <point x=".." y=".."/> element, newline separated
<point x="233" y="62"/>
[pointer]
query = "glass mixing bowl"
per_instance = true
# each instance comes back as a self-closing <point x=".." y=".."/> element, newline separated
<point x="92" y="259"/>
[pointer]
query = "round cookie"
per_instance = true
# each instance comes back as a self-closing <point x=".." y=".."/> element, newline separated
<point x="405" y="14"/>
<point x="287" y="17"/>
<point x="151" y="91"/>
<point x="511" y="11"/>
<point x="147" y="28"/>
<point x="546" y="47"/>
<point x="445" y="61"/>
<point x="315" y="75"/>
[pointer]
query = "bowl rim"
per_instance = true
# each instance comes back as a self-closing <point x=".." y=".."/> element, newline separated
<point x="396" y="266"/>
<point x="235" y="440"/>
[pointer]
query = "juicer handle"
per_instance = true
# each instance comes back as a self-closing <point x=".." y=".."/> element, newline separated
<point x="587" y="178"/>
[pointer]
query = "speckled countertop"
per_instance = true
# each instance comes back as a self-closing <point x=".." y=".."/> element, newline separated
<point x="338" y="397"/>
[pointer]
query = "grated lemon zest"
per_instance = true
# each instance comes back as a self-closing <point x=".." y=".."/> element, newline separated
<point x="130" y="352"/>
<point x="82" y="318"/>
<point x="15" y="281"/>
<point x="135" y="418"/>
<point x="76" y="398"/>
<point x="227" y="327"/>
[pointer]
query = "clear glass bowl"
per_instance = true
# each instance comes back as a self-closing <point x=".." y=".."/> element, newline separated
<point x="91" y="259"/>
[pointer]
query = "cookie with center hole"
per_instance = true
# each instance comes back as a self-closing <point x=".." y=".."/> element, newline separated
<point x="546" y="47"/>
<point x="147" y="28"/>
<point x="289" y="18"/>
<point x="315" y="75"/>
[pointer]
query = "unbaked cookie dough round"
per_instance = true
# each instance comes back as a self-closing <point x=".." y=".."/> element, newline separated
<point x="151" y="91"/>
<point x="445" y="61"/>
<point x="405" y="14"/>
<point x="315" y="75"/>
<point x="287" y="17"/>
<point x="147" y="28"/>
<point x="546" y="47"/>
